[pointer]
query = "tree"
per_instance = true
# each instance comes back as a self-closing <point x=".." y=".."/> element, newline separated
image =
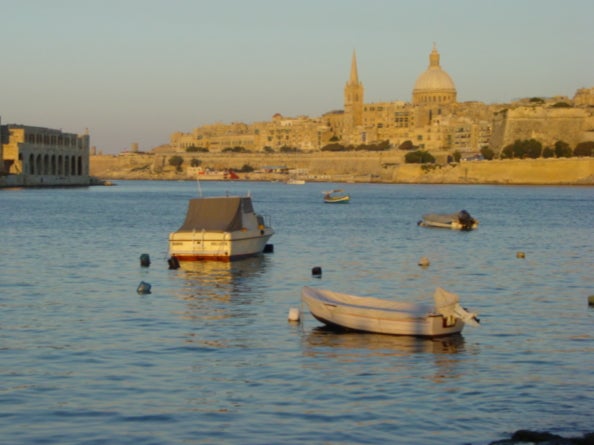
<point x="562" y="149"/>
<point x="419" y="157"/>
<point x="548" y="152"/>
<point x="520" y="149"/>
<point x="456" y="156"/>
<point x="487" y="153"/>
<point x="195" y="162"/>
<point x="507" y="152"/>
<point x="584" y="149"/>
<point x="176" y="161"/>
<point x="335" y="146"/>
<point x="246" y="168"/>
<point x="531" y="148"/>
<point x="406" y="145"/>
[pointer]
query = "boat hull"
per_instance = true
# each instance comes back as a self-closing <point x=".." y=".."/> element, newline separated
<point x="378" y="316"/>
<point x="222" y="246"/>
<point x="341" y="200"/>
<point x="456" y="221"/>
<point x="451" y="225"/>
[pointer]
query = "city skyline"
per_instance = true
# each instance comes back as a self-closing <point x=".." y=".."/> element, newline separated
<point x="137" y="71"/>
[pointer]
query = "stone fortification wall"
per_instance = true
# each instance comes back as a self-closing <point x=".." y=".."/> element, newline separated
<point x="388" y="167"/>
<point x="547" y="125"/>
<point x="570" y="171"/>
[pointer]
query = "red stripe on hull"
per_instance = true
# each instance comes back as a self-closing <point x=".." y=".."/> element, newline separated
<point x="222" y="258"/>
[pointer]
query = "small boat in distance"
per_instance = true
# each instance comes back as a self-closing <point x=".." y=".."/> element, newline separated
<point x="458" y="221"/>
<point x="369" y="314"/>
<point x="219" y="228"/>
<point x="336" y="196"/>
<point x="295" y="181"/>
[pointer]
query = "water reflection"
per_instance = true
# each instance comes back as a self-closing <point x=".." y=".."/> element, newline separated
<point x="215" y="290"/>
<point x="323" y="340"/>
<point x="384" y="354"/>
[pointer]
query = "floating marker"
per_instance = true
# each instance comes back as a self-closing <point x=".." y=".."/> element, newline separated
<point x="143" y="288"/>
<point x="294" y="314"/>
<point x="145" y="260"/>
<point x="316" y="271"/>
<point x="591" y="300"/>
<point x="173" y="263"/>
<point x="424" y="262"/>
<point x="520" y="254"/>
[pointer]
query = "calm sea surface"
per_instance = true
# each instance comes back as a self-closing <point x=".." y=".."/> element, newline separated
<point x="209" y="356"/>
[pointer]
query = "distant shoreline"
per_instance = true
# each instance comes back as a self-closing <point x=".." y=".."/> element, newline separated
<point x="381" y="167"/>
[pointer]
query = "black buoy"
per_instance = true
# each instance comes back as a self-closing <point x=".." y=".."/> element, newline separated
<point x="316" y="272"/>
<point x="268" y="248"/>
<point x="145" y="260"/>
<point x="173" y="263"/>
<point x="143" y="288"/>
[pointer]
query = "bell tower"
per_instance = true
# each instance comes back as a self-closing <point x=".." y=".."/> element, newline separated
<point x="353" y="97"/>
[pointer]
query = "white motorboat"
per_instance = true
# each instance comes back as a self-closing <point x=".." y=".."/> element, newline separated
<point x="458" y="221"/>
<point x="219" y="228"/>
<point x="382" y="316"/>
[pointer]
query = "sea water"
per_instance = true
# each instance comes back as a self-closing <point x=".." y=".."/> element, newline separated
<point x="209" y="356"/>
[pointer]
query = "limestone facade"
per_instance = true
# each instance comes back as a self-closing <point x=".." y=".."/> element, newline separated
<point x="37" y="156"/>
<point x="547" y="125"/>
<point x="433" y="121"/>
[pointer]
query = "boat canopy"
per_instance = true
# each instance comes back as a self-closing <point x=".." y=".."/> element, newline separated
<point x="216" y="214"/>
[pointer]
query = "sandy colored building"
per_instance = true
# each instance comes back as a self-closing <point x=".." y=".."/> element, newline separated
<point x="433" y="120"/>
<point x="38" y="156"/>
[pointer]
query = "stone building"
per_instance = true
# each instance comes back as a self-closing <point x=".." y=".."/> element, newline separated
<point x="37" y="156"/>
<point x="434" y="120"/>
<point x="545" y="124"/>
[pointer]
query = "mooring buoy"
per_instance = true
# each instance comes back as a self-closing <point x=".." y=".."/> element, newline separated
<point x="145" y="260"/>
<point x="173" y="263"/>
<point x="591" y="300"/>
<point x="316" y="271"/>
<point x="294" y="314"/>
<point x="143" y="288"/>
<point x="424" y="262"/>
<point x="520" y="254"/>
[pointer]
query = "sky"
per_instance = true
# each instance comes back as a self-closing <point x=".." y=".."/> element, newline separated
<point x="136" y="71"/>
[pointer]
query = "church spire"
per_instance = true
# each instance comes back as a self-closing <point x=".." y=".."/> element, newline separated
<point x="354" y="78"/>
<point x="353" y="97"/>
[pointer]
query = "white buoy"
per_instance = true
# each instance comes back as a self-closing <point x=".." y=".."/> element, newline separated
<point x="424" y="262"/>
<point x="294" y="314"/>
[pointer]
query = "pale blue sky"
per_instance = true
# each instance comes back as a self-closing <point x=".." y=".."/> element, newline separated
<point x="139" y="70"/>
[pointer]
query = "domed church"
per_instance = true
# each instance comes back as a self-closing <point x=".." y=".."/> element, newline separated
<point x="434" y="86"/>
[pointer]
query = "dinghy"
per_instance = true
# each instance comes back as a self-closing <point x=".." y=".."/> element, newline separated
<point x="458" y="221"/>
<point x="382" y="316"/>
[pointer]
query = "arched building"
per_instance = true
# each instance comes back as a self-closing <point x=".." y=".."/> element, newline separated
<point x="37" y="156"/>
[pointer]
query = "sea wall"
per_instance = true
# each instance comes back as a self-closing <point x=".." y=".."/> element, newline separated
<point x="388" y="167"/>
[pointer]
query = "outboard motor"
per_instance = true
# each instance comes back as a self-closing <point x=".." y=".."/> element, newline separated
<point x="465" y="220"/>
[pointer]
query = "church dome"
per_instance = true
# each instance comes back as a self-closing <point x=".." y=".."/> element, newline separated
<point x="434" y="85"/>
